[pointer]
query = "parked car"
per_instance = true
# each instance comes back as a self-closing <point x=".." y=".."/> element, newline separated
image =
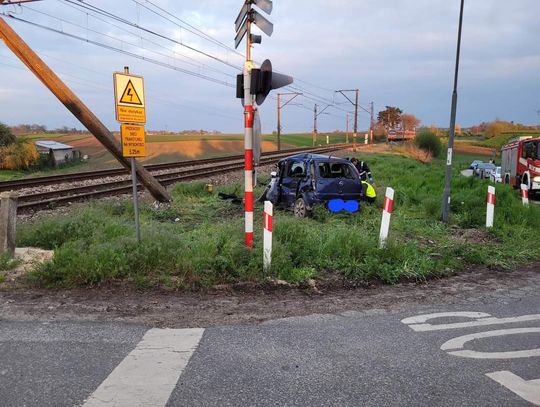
<point x="305" y="180"/>
<point x="474" y="164"/>
<point x="483" y="170"/>
<point x="496" y="175"/>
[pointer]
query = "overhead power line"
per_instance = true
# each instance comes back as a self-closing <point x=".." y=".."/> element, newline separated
<point x="88" y="6"/>
<point x="119" y="50"/>
<point x="95" y="12"/>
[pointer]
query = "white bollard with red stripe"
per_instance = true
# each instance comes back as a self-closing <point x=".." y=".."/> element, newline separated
<point x="267" y="238"/>
<point x="490" y="207"/>
<point x="525" y="194"/>
<point x="387" y="212"/>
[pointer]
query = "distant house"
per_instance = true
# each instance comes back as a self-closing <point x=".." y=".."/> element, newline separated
<point x="61" y="152"/>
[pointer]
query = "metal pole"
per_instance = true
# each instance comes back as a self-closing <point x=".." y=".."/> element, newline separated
<point x="249" y="115"/>
<point x="135" y="199"/>
<point x="387" y="127"/>
<point x="355" y="120"/>
<point x="371" y="122"/>
<point x="134" y="187"/>
<point x="315" y="125"/>
<point x="448" y="177"/>
<point x="347" y="130"/>
<point x="279" y="122"/>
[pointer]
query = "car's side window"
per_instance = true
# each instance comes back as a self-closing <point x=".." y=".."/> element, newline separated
<point x="336" y="170"/>
<point x="324" y="170"/>
<point x="297" y="169"/>
<point x="348" y="171"/>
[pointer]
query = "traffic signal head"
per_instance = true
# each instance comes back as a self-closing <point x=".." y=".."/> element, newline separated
<point x="263" y="80"/>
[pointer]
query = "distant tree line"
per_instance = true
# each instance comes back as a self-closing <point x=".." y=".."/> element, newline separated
<point x="29" y="129"/>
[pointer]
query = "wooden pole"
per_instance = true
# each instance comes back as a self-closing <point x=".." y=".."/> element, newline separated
<point x="8" y="219"/>
<point x="77" y="107"/>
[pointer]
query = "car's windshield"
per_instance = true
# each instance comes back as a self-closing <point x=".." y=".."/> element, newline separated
<point x="335" y="170"/>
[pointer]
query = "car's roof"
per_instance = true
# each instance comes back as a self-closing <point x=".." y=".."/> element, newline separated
<point x="315" y="157"/>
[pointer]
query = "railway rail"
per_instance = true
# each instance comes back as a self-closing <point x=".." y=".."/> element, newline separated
<point x="204" y="168"/>
<point x="115" y="172"/>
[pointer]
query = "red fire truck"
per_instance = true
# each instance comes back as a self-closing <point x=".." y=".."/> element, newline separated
<point x="521" y="163"/>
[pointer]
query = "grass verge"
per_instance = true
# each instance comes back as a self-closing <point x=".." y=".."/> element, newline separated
<point x="198" y="240"/>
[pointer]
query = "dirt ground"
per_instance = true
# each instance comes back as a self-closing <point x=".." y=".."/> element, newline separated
<point x="252" y="305"/>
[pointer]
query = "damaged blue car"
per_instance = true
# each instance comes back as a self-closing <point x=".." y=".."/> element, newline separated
<point x="305" y="180"/>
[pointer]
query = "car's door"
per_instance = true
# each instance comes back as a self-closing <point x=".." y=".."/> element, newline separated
<point x="337" y="180"/>
<point x="351" y="186"/>
<point x="293" y="173"/>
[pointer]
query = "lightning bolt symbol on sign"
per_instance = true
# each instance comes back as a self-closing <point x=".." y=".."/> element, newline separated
<point x="130" y="95"/>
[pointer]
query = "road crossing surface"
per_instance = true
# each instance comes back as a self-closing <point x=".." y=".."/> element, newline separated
<point x="485" y="354"/>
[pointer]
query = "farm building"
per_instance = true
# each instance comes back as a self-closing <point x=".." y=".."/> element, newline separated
<point x="61" y="152"/>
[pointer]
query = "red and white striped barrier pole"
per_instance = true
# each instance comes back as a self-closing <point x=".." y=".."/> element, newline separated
<point x="490" y="207"/>
<point x="267" y="238"/>
<point x="249" y="116"/>
<point x="387" y="213"/>
<point x="525" y="194"/>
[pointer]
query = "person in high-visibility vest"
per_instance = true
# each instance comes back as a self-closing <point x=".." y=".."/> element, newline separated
<point x="370" y="195"/>
<point x="363" y="170"/>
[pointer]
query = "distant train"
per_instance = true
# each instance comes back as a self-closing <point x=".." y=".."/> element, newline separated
<point x="401" y="135"/>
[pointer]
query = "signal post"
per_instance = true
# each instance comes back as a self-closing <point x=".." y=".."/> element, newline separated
<point x="253" y="85"/>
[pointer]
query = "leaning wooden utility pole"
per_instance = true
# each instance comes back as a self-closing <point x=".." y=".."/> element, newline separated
<point x="77" y="107"/>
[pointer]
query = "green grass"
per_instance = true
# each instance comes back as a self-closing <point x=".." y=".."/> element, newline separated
<point x="6" y="175"/>
<point x="95" y="244"/>
<point x="6" y="264"/>
<point x="500" y="140"/>
<point x="306" y="139"/>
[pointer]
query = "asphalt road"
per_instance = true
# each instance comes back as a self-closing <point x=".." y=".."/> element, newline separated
<point x="354" y="358"/>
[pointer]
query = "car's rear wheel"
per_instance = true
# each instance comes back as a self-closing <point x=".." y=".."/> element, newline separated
<point x="301" y="210"/>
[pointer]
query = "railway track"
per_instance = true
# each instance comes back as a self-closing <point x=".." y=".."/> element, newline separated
<point x="206" y="167"/>
<point x="115" y="172"/>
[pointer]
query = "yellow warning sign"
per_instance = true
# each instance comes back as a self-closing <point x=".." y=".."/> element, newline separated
<point x="129" y="98"/>
<point x="133" y="140"/>
<point x="130" y="95"/>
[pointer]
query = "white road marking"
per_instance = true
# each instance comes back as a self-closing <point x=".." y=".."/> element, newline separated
<point x="419" y="319"/>
<point x="527" y="390"/>
<point x="483" y="320"/>
<point x="148" y="375"/>
<point x="459" y="342"/>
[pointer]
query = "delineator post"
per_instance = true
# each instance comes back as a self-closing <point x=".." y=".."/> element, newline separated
<point x="387" y="213"/>
<point x="490" y="213"/>
<point x="525" y="194"/>
<point x="267" y="238"/>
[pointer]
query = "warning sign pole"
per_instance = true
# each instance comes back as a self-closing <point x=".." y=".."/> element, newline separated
<point x="135" y="199"/>
<point x="133" y="180"/>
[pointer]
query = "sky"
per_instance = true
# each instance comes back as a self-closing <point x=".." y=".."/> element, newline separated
<point x="396" y="52"/>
